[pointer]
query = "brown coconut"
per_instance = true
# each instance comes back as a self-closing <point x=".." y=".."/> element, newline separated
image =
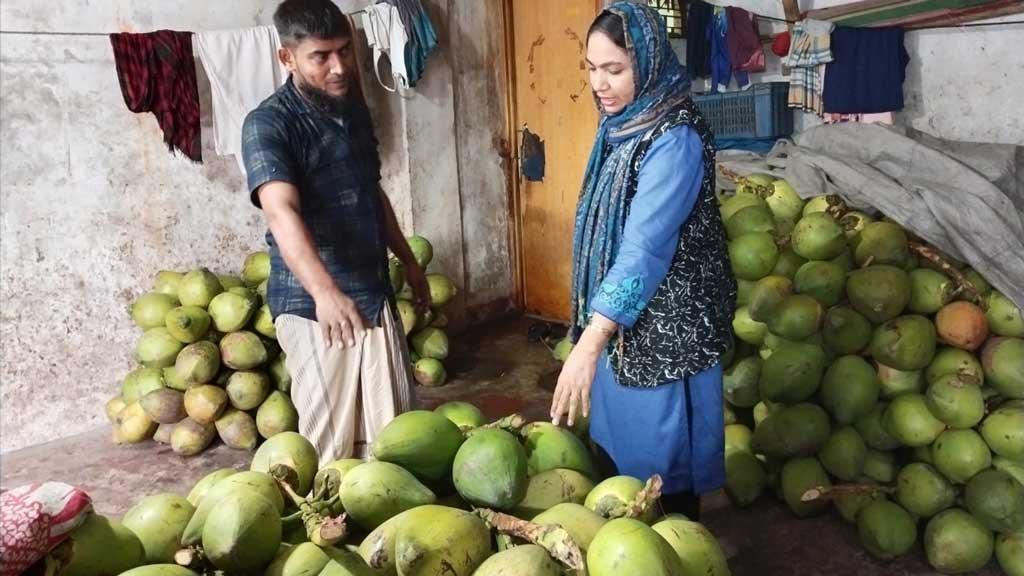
<point x="962" y="324"/>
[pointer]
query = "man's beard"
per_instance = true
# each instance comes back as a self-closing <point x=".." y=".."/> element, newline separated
<point x="320" y="99"/>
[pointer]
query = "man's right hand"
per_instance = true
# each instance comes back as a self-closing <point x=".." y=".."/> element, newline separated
<point x="339" y="319"/>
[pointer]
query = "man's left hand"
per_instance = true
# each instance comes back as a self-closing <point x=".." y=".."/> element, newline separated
<point x="420" y="289"/>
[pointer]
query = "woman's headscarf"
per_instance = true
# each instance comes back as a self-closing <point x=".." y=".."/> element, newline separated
<point x="661" y="87"/>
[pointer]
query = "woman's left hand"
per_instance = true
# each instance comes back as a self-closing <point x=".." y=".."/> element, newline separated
<point x="574" y="382"/>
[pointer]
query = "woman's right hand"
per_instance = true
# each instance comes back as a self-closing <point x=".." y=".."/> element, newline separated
<point x="340" y="321"/>
<point x="573" y="390"/>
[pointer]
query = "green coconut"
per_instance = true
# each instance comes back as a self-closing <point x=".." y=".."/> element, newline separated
<point x="854" y="222"/>
<point x="957" y="401"/>
<point x="844" y="454"/>
<point x="1003" y="431"/>
<point x="580" y="522"/>
<point x="880" y="293"/>
<point x="256" y="268"/>
<point x="396" y="274"/>
<point x="140" y="382"/>
<point x="231" y="311"/>
<point x="950" y="360"/>
<point x="242" y="532"/>
<point x="424" y="443"/>
<point x="422" y="250"/>
<point x="894" y="382"/>
<point x="549" y="447"/>
<point x="929" y="291"/>
<point x="526" y="559"/>
<point x="198" y="287"/>
<point x="908" y="420"/>
<point x="166" y="282"/>
<point x="243" y="351"/>
<point x="766" y="296"/>
<point x="798" y="476"/>
<point x="612" y="494"/>
<point x="849" y="389"/>
<point x="462" y="414"/>
<point x="1003" y="361"/>
<point x="113" y="408"/>
<point x="150" y="309"/>
<point x="279" y="374"/>
<point x="886" y="530"/>
<point x="160" y="570"/>
<point x="205" y="403"/>
<point x="159" y="521"/>
<point x="237" y="429"/>
<point x="1004" y="317"/>
<point x="164" y="406"/>
<point x="263" y="322"/>
<point x="448" y="540"/>
<point x="845" y="331"/>
<point x="206" y="483"/>
<point x="788" y="263"/>
<point x="490" y="469"/>
<point x="290" y="449"/>
<point x="221" y="489"/>
<point x="628" y="546"/>
<point x="549" y="489"/>
<point x="375" y="492"/>
<point x="738" y="438"/>
<point x="850" y="505"/>
<point x="818" y="237"/>
<point x="744" y="290"/>
<point x="100" y="546"/>
<point x="188" y="323"/>
<point x="746" y="329"/>
<point x="755" y="218"/>
<point x="247" y="390"/>
<point x="157" y="348"/>
<point x="753" y="256"/>
<point x="960" y="454"/>
<point x="996" y="499"/>
<point x="299" y="560"/>
<point x="407" y="314"/>
<point x="792" y="373"/>
<point x="740" y="382"/>
<point x="733" y="204"/>
<point x="190" y="438"/>
<point x="441" y="289"/>
<point x="745" y="478"/>
<point x="429" y="372"/>
<point x="880" y="466"/>
<point x="818" y="204"/>
<point x="905" y="343"/>
<point x="198" y="363"/>
<point x="277" y="414"/>
<point x="923" y="490"/>
<point x="1010" y="553"/>
<point x="882" y="243"/>
<point x="431" y="343"/>
<point x="784" y="202"/>
<point x="697" y="548"/>
<point x="872" y="429"/>
<point x="797" y="430"/>
<point x="821" y="280"/>
<point x="797" y="317"/>
<point x="957" y="543"/>
<point x="134" y="425"/>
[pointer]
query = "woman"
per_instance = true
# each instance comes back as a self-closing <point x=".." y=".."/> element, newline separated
<point x="653" y="293"/>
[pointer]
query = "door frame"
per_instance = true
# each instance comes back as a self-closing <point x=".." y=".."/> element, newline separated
<point x="517" y="260"/>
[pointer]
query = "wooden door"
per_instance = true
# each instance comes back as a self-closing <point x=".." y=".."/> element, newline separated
<point x="551" y="97"/>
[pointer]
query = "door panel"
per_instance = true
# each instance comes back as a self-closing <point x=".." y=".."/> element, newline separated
<point x="553" y="99"/>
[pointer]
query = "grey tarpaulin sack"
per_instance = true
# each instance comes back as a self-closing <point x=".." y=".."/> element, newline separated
<point x="965" y="199"/>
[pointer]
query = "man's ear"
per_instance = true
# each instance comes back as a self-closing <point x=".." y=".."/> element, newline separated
<point x="287" y="58"/>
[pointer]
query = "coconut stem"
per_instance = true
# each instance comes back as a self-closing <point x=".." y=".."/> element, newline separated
<point x="833" y="492"/>
<point x="761" y="190"/>
<point x="322" y="530"/>
<point x="193" y="558"/>
<point x="643" y="502"/>
<point x="836" y="207"/>
<point x="963" y="285"/>
<point x="552" y="538"/>
<point x="512" y="423"/>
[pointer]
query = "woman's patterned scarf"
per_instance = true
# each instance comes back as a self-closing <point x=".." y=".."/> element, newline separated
<point x="661" y="87"/>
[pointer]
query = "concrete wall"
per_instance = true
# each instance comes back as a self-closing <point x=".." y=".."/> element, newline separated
<point x="962" y="84"/>
<point x="93" y="204"/>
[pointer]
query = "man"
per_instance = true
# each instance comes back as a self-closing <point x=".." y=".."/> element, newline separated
<point x="312" y="165"/>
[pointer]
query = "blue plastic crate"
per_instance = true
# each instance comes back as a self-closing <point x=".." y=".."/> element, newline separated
<point x="761" y="111"/>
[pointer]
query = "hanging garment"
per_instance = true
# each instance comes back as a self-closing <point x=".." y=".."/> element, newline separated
<point x="880" y="118"/>
<point x="698" y="45"/>
<point x="867" y="73"/>
<point x="157" y="72"/>
<point x="810" y="49"/>
<point x="721" y="63"/>
<point x="386" y="35"/>
<point x="745" y="51"/>
<point x="244" y="69"/>
<point x="422" y="37"/>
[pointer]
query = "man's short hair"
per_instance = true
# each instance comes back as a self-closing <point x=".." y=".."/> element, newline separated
<point x="297" y="20"/>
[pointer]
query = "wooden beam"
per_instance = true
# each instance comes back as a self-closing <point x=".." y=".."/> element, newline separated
<point x="792" y="11"/>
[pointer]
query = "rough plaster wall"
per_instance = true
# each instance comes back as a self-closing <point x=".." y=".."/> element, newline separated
<point x="962" y="84"/>
<point x="480" y="128"/>
<point x="92" y="206"/>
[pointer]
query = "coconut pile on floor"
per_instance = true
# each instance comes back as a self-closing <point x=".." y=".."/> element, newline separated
<point x="427" y="340"/>
<point x="874" y="377"/>
<point x="208" y="364"/>
<point x="443" y="493"/>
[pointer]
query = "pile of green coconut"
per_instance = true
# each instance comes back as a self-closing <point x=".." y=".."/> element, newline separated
<point x="428" y="342"/>
<point x="875" y="377"/>
<point x="444" y="493"/>
<point x="208" y="364"/>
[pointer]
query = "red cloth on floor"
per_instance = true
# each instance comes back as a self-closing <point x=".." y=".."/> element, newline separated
<point x="158" y="74"/>
<point x="36" y="518"/>
<point x="745" y="51"/>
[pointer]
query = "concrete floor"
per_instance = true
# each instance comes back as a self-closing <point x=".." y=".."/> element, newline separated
<point x="496" y="368"/>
